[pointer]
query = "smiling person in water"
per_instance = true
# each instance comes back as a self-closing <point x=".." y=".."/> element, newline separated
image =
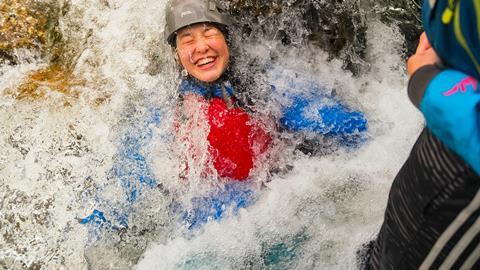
<point x="197" y="31"/>
<point x="211" y="117"/>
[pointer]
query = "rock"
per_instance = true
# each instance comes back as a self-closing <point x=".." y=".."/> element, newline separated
<point x="26" y="24"/>
<point x="406" y="14"/>
<point x="34" y="25"/>
<point x="55" y="78"/>
<point x="337" y="27"/>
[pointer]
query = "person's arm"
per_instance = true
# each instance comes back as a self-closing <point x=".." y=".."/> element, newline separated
<point x="450" y="103"/>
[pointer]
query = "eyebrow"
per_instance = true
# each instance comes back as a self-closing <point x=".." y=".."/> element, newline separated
<point x="184" y="34"/>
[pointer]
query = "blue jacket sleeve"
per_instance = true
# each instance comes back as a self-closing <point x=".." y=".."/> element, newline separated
<point x="451" y="107"/>
<point x="327" y="116"/>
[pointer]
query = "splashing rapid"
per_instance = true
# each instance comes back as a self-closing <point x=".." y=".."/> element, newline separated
<point x="88" y="104"/>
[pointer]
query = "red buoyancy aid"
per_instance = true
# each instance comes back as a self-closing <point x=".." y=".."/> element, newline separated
<point x="235" y="140"/>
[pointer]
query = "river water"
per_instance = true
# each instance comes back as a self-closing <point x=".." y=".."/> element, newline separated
<point x="58" y="153"/>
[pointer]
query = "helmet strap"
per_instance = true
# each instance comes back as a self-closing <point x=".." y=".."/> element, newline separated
<point x="175" y="55"/>
<point x="183" y="71"/>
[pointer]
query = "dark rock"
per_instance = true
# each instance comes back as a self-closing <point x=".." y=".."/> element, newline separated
<point x="406" y="14"/>
<point x="337" y="27"/>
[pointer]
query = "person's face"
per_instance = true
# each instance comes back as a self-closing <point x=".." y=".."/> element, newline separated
<point x="203" y="51"/>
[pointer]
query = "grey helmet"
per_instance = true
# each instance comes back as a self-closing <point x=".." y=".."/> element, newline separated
<point x="181" y="13"/>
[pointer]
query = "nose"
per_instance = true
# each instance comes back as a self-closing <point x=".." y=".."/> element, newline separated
<point x="201" y="46"/>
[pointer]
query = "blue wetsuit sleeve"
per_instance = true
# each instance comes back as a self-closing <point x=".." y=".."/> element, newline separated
<point x="327" y="116"/>
<point x="451" y="107"/>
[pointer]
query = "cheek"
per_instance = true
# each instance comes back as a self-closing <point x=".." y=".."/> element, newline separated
<point x="184" y="57"/>
<point x="184" y="52"/>
<point x="226" y="57"/>
<point x="222" y="48"/>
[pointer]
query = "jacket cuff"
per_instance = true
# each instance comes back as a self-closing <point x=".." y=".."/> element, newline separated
<point x="419" y="82"/>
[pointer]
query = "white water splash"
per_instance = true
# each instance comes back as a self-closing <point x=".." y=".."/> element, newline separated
<point x="55" y="160"/>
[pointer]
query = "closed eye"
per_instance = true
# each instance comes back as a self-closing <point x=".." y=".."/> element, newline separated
<point x="211" y="31"/>
<point x="185" y="39"/>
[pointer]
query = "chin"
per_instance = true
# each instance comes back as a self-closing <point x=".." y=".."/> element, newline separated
<point x="209" y="78"/>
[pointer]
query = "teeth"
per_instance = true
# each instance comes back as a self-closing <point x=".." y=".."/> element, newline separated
<point x="205" y="61"/>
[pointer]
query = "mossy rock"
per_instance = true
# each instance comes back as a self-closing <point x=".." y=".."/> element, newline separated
<point x="28" y="24"/>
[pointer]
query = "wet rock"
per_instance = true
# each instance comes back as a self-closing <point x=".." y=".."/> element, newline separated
<point x="23" y="215"/>
<point x="39" y="83"/>
<point x="41" y="214"/>
<point x="406" y="14"/>
<point x="25" y="24"/>
<point x="34" y="25"/>
<point x="337" y="27"/>
<point x="18" y="141"/>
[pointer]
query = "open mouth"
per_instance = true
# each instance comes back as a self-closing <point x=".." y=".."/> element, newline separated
<point x="205" y="62"/>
